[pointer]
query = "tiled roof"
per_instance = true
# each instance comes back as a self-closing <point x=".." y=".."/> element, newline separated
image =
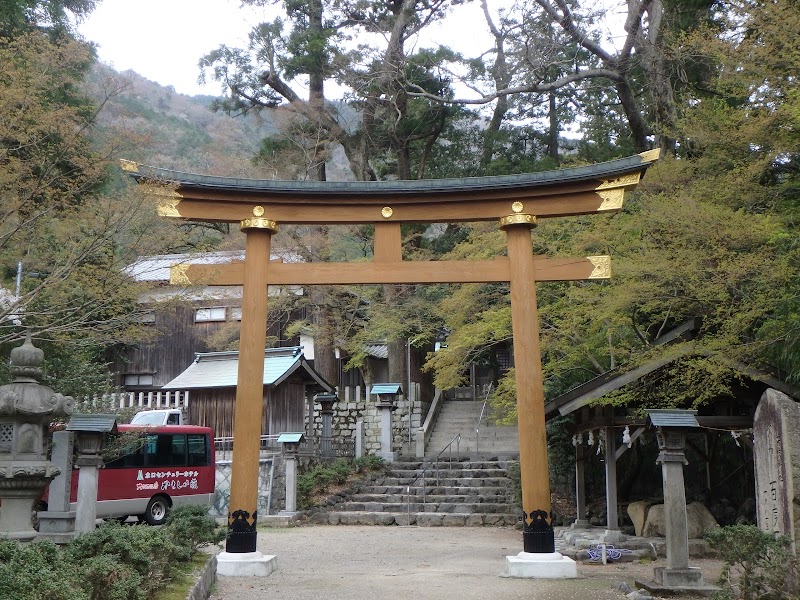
<point x="221" y="369"/>
<point x="397" y="187"/>
<point x="665" y="417"/>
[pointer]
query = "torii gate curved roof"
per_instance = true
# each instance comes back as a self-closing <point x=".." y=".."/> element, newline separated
<point x="586" y="189"/>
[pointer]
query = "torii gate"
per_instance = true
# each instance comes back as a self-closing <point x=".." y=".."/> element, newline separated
<point x="515" y="201"/>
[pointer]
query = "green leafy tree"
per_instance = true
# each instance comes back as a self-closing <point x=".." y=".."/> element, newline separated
<point x="19" y="15"/>
<point x="67" y="227"/>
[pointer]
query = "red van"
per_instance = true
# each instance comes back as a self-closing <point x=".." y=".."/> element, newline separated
<point x="171" y="465"/>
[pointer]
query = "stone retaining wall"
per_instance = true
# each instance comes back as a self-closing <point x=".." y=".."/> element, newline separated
<point x="357" y="404"/>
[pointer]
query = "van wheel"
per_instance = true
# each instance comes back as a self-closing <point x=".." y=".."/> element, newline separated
<point x="156" y="511"/>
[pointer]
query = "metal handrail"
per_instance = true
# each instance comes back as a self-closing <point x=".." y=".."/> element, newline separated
<point x="480" y="418"/>
<point x="435" y="461"/>
<point x="425" y="432"/>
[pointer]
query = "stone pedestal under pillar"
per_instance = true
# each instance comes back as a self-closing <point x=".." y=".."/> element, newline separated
<point x="551" y="565"/>
<point x="15" y="514"/>
<point x="246" y="564"/>
<point x="689" y="576"/>
<point x="612" y="536"/>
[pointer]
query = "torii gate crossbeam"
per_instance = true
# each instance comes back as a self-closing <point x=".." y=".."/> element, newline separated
<point x="515" y="201"/>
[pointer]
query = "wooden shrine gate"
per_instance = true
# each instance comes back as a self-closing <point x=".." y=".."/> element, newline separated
<point x="515" y="201"/>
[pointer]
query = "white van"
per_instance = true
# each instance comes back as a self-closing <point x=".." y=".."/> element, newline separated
<point x="172" y="416"/>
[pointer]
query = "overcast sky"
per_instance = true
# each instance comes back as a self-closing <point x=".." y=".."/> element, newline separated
<point x="163" y="40"/>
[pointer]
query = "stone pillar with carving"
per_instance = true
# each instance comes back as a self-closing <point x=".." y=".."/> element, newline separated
<point x="57" y="523"/>
<point x="326" y="402"/>
<point x="26" y="410"/>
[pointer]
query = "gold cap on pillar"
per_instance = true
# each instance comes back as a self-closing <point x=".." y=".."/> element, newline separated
<point x="258" y="221"/>
<point x="518" y="219"/>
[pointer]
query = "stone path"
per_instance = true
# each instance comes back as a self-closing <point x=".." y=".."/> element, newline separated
<point x="403" y="563"/>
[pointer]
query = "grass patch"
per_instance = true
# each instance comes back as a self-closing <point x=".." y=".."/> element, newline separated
<point x="316" y="482"/>
<point x="184" y="579"/>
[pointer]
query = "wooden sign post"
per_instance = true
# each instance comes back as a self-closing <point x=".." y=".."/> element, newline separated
<point x="515" y="201"/>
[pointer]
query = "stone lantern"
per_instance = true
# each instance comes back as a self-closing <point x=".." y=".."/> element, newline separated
<point x="26" y="409"/>
<point x="291" y="446"/>
<point x="92" y="431"/>
<point x="387" y="394"/>
<point x="672" y="426"/>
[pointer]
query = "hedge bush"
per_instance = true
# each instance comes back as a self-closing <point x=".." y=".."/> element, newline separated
<point x="113" y="562"/>
<point x="756" y="564"/>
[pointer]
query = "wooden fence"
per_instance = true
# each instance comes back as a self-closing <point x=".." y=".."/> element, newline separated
<point x="138" y="400"/>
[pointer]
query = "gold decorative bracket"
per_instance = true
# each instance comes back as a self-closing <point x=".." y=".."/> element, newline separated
<point x="623" y="181"/>
<point x="168" y="199"/>
<point x="129" y="165"/>
<point x="612" y="199"/>
<point x="178" y="274"/>
<point x="602" y="267"/>
<point x="651" y="155"/>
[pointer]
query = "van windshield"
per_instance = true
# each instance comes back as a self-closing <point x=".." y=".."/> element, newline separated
<point x="148" y="418"/>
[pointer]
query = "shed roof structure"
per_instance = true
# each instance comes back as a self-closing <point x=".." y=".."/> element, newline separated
<point x="99" y="423"/>
<point x="672" y="417"/>
<point x="220" y="369"/>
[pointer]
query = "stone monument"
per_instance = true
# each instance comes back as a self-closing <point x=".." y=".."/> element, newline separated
<point x="57" y="523"/>
<point x="776" y="449"/>
<point x="26" y="410"/>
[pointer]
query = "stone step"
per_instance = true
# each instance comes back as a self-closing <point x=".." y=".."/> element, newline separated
<point x="465" y="482"/>
<point x="456" y="463"/>
<point x="433" y="489"/>
<point x="421" y="519"/>
<point x="449" y="432"/>
<point x="467" y="492"/>
<point x="419" y="507"/>
<point x="433" y="498"/>
<point x="469" y="434"/>
<point x="468" y="447"/>
<point x="445" y="471"/>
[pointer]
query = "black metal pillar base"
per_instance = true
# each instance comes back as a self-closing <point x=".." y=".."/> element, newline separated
<point x="537" y="535"/>
<point x="241" y="532"/>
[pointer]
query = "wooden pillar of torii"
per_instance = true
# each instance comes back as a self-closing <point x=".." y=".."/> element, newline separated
<point x="515" y="202"/>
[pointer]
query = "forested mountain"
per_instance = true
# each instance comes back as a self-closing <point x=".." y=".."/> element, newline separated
<point x="180" y="132"/>
<point x="184" y="133"/>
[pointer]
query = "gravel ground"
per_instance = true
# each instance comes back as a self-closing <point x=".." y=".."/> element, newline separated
<point x="420" y="563"/>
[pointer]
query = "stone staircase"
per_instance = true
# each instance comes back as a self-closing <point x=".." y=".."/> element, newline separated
<point x="465" y="493"/>
<point x="461" y="416"/>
